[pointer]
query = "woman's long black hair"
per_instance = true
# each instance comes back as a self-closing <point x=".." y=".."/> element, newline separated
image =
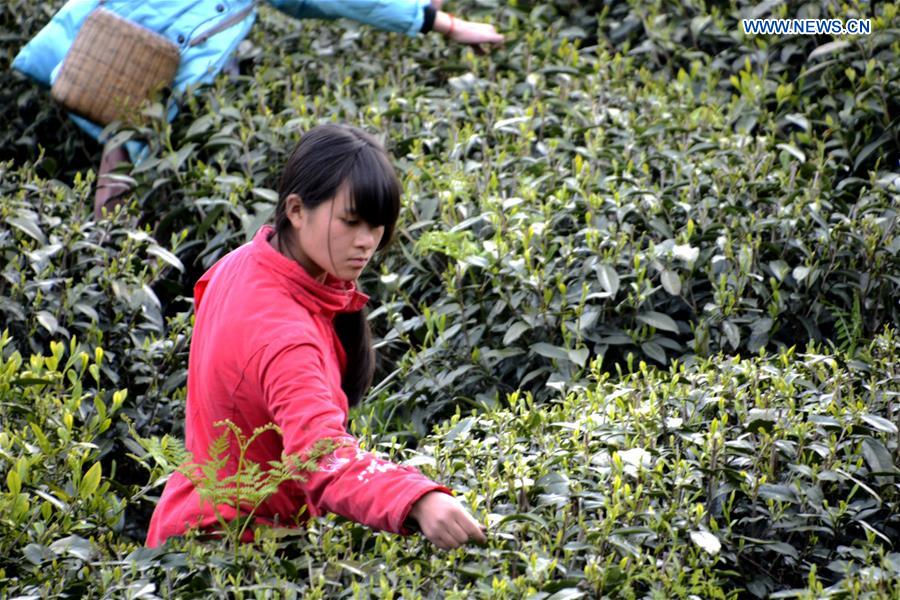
<point x="327" y="157"/>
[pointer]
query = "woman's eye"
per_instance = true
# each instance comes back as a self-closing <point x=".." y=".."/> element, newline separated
<point x="351" y="221"/>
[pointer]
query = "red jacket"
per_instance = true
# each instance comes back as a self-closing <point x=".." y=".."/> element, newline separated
<point x="264" y="350"/>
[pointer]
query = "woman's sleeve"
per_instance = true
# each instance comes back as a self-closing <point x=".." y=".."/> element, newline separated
<point x="401" y="16"/>
<point x="350" y="482"/>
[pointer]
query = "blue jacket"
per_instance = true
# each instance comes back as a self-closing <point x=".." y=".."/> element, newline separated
<point x="182" y="21"/>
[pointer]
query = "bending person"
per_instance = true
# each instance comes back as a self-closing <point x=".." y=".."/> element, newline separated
<point x="207" y="33"/>
<point x="281" y="336"/>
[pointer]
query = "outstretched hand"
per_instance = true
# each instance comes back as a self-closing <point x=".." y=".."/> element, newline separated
<point x="470" y="32"/>
<point x="467" y="32"/>
<point x="445" y="521"/>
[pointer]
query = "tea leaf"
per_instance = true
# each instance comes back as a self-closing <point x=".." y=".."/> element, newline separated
<point x="165" y="256"/>
<point x="658" y="320"/>
<point x="90" y="481"/>
<point x="608" y="278"/>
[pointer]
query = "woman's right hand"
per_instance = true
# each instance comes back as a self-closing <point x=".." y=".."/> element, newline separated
<point x="467" y="32"/>
<point x="445" y="521"/>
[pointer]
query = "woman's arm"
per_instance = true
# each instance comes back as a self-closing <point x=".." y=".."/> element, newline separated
<point x="350" y="482"/>
<point x="401" y="16"/>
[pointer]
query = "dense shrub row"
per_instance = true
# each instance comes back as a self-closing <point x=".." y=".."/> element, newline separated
<point x="630" y="181"/>
<point x="562" y="202"/>
<point x="73" y="278"/>
<point x="718" y="477"/>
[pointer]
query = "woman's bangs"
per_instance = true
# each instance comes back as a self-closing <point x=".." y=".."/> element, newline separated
<point x="374" y="189"/>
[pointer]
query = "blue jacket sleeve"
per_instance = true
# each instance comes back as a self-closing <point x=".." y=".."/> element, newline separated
<point x="401" y="16"/>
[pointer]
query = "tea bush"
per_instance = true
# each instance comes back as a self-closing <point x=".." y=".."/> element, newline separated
<point x="52" y="450"/>
<point x="622" y="181"/>
<point x="66" y="277"/>
<point x="568" y="196"/>
<point x="716" y="478"/>
<point x="28" y="122"/>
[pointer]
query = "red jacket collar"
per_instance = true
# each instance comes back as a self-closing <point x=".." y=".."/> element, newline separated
<point x="329" y="297"/>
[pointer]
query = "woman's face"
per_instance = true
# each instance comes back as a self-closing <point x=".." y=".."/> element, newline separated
<point x="331" y="238"/>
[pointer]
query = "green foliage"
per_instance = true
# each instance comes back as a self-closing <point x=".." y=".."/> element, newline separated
<point x="28" y="122"/>
<point x="242" y="491"/>
<point x="719" y="477"/>
<point x="622" y="183"/>
<point x="572" y="196"/>
<point x="799" y="87"/>
<point x="691" y="195"/>
<point x="65" y="276"/>
<point x="55" y="458"/>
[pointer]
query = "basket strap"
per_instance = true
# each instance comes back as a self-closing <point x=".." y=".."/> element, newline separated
<point x="232" y="20"/>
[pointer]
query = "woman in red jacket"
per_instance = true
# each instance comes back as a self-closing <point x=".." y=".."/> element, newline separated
<point x="281" y="335"/>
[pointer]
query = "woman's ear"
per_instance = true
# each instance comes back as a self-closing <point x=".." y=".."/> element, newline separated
<point x="293" y="209"/>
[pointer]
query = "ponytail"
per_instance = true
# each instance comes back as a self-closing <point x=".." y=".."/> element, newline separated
<point x="353" y="331"/>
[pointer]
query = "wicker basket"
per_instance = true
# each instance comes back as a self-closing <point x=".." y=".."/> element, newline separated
<point x="112" y="67"/>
